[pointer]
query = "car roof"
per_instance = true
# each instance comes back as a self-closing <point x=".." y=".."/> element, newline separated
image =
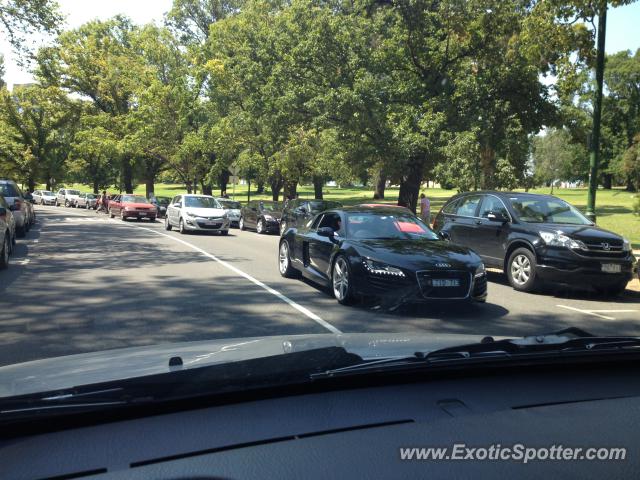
<point x="196" y="195"/>
<point x="502" y="194"/>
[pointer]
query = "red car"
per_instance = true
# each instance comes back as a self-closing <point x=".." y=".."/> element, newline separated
<point x="132" y="206"/>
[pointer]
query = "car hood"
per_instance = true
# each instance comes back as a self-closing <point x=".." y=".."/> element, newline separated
<point x="273" y="213"/>
<point x="72" y="195"/>
<point x="136" y="205"/>
<point x="586" y="233"/>
<point x="236" y="212"/>
<point x="111" y="365"/>
<point x="205" y="212"/>
<point x="417" y="254"/>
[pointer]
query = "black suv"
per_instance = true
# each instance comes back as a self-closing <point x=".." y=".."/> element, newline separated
<point x="262" y="215"/>
<point x="536" y="238"/>
<point x="297" y="213"/>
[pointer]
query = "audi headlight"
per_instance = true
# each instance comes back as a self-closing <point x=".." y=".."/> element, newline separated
<point x="557" y="239"/>
<point x="626" y="245"/>
<point x="480" y="270"/>
<point x="379" y="268"/>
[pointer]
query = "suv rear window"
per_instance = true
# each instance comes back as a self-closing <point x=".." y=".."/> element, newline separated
<point x="9" y="190"/>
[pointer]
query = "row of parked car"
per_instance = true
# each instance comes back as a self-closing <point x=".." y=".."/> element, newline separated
<point x="17" y="216"/>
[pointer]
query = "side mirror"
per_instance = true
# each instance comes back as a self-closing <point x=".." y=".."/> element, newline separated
<point x="497" y="217"/>
<point x="3" y="212"/>
<point x="176" y="205"/>
<point x="444" y="235"/>
<point x="325" y="232"/>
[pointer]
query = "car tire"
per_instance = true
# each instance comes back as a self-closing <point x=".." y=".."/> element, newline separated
<point x="260" y="226"/>
<point x="122" y="217"/>
<point x="341" y="284"/>
<point x="224" y="232"/>
<point x="521" y="270"/>
<point x="86" y="206"/>
<point x="181" y="228"/>
<point x="284" y="261"/>
<point x="167" y="224"/>
<point x="283" y="227"/>
<point x="20" y="232"/>
<point x="66" y="203"/>
<point x="111" y="215"/>
<point x="241" y="224"/>
<point x="4" y="254"/>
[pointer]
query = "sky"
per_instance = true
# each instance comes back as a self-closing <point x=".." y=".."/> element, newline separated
<point x="622" y="25"/>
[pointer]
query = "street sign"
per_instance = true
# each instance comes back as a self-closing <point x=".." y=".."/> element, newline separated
<point x="234" y="170"/>
<point x="234" y="179"/>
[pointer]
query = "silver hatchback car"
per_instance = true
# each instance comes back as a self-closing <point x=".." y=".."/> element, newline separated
<point x="196" y="212"/>
<point x="23" y="212"/>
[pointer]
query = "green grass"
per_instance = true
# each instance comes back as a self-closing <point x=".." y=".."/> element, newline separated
<point x="614" y="208"/>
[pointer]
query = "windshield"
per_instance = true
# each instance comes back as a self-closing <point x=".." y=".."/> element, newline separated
<point x="369" y="226"/>
<point x="134" y="199"/>
<point x="439" y="170"/>
<point x="546" y="210"/>
<point x="229" y="204"/>
<point x="201" y="202"/>
<point x="271" y="207"/>
<point x="317" y="207"/>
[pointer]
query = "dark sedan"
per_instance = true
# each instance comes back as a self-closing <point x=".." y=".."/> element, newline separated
<point x="383" y="252"/>
<point x="297" y="213"/>
<point x="537" y="238"/>
<point x="262" y="215"/>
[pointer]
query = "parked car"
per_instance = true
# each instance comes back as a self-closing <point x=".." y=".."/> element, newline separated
<point x="132" y="206"/>
<point x="7" y="232"/>
<point x="67" y="197"/>
<point x="161" y="204"/>
<point x="233" y="209"/>
<point x="196" y="212"/>
<point x="86" y="200"/>
<point x="44" y="197"/>
<point x="264" y="216"/>
<point x="23" y="212"/>
<point x="537" y="238"/>
<point x="383" y="252"/>
<point x="297" y="212"/>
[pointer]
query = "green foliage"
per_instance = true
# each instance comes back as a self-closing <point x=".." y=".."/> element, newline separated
<point x="555" y="157"/>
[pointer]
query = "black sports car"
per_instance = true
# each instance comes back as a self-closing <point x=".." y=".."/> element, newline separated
<point x="381" y="251"/>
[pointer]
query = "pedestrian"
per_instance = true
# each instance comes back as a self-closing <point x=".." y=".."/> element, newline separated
<point x="425" y="209"/>
<point x="104" y="202"/>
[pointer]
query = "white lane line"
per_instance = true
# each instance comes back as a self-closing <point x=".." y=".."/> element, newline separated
<point x="254" y="280"/>
<point x="587" y="312"/>
<point x="613" y="311"/>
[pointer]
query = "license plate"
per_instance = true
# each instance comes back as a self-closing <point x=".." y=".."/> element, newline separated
<point x="214" y="224"/>
<point x="440" y="282"/>
<point x="611" y="268"/>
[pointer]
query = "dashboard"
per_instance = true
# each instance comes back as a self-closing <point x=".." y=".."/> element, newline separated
<point x="358" y="432"/>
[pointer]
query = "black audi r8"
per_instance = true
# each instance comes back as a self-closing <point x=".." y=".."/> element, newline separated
<point x="381" y="251"/>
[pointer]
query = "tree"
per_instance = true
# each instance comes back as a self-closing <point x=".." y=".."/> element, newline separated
<point x="23" y="18"/>
<point x="556" y="158"/>
<point x="42" y="121"/>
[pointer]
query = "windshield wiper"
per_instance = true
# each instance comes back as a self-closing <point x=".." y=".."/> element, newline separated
<point x="570" y="341"/>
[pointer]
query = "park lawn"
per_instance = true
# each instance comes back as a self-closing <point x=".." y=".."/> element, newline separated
<point x="613" y="207"/>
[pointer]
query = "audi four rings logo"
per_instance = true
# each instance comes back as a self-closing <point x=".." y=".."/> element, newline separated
<point x="443" y="265"/>
<point x="605" y="246"/>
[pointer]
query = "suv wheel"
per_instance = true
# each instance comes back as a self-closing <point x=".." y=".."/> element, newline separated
<point x="241" y="224"/>
<point x="260" y="226"/>
<point x="167" y="224"/>
<point x="521" y="270"/>
<point x="66" y="203"/>
<point x="181" y="228"/>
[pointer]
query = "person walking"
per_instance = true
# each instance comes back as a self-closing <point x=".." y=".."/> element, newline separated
<point x="425" y="209"/>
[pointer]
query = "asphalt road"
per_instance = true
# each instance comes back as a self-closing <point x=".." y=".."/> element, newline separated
<point x="81" y="282"/>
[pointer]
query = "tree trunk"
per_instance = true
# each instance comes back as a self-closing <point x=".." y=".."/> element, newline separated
<point x="223" y="181"/>
<point x="318" y="184"/>
<point x="290" y="189"/>
<point x="630" y="186"/>
<point x="260" y="187"/>
<point x="149" y="186"/>
<point x="379" y="186"/>
<point x="607" y="180"/>
<point x="127" y="175"/>
<point x="487" y="164"/>
<point x="96" y="187"/>
<point x="189" y="188"/>
<point x="410" y="185"/>
<point x="31" y="184"/>
<point x="276" y="186"/>
<point x="206" y="189"/>
<point x="195" y="185"/>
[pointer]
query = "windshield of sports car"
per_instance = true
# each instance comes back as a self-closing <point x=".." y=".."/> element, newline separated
<point x="201" y="202"/>
<point x="387" y="225"/>
<point x="230" y="204"/>
<point x="134" y="199"/>
<point x="268" y="177"/>
<point x="546" y="210"/>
